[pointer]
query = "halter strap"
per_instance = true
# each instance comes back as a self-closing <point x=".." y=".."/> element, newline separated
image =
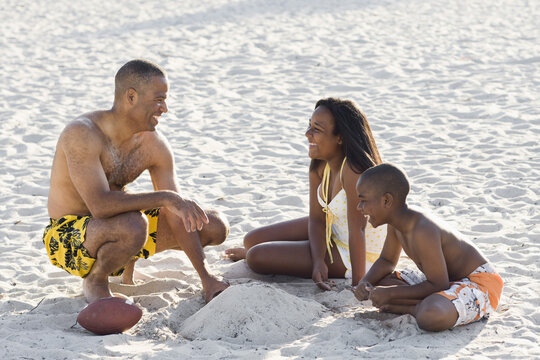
<point x="329" y="215"/>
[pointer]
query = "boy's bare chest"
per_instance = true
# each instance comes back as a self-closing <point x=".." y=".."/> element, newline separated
<point x="123" y="165"/>
<point x="410" y="250"/>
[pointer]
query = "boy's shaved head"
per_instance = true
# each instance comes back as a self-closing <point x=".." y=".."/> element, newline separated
<point x="136" y="74"/>
<point x="387" y="178"/>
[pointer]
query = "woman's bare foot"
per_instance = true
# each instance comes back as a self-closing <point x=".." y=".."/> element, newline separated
<point x="95" y="289"/>
<point x="235" y="254"/>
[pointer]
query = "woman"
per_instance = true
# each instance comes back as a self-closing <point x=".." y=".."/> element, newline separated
<point x="334" y="240"/>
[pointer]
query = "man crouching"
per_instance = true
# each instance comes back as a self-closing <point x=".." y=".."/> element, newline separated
<point x="97" y="229"/>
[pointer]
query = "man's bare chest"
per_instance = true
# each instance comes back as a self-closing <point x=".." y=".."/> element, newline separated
<point x="123" y="165"/>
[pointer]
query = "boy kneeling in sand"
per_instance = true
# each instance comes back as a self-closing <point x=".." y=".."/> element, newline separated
<point x="455" y="285"/>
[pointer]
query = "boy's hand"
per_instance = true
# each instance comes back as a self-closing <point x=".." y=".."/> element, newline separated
<point x="380" y="295"/>
<point x="362" y="290"/>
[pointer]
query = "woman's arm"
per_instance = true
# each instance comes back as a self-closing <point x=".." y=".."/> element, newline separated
<point x="356" y="223"/>
<point x="316" y="232"/>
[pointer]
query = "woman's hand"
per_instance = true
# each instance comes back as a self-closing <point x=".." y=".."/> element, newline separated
<point x="320" y="276"/>
<point x="362" y="222"/>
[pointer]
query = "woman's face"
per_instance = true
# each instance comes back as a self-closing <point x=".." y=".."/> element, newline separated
<point x="323" y="144"/>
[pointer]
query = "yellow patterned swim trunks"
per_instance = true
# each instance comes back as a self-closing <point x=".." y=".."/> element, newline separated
<point x="64" y="237"/>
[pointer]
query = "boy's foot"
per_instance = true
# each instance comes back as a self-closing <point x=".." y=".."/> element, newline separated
<point x="235" y="254"/>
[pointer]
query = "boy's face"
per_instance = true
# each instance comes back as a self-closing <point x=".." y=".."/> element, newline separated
<point x="371" y="203"/>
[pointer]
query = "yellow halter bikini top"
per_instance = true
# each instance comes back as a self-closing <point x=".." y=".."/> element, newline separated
<point x="329" y="216"/>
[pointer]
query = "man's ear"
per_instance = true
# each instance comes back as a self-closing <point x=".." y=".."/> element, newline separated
<point x="388" y="200"/>
<point x="131" y="96"/>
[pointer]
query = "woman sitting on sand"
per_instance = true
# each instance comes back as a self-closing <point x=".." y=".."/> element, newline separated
<point x="331" y="241"/>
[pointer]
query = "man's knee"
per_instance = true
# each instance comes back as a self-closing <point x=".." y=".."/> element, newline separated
<point x="133" y="227"/>
<point x="217" y="229"/>
<point x="436" y="313"/>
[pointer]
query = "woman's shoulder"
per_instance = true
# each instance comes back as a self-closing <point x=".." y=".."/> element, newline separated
<point x="349" y="177"/>
<point x="318" y="170"/>
<point x="349" y="173"/>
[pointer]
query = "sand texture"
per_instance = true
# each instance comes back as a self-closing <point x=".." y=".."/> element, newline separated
<point x="451" y="90"/>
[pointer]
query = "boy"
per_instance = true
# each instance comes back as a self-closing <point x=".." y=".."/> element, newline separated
<point x="455" y="285"/>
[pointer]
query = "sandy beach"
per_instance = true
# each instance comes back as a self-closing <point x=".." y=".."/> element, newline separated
<point x="451" y="90"/>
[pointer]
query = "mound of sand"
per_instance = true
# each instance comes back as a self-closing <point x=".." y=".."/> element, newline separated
<point x="256" y="313"/>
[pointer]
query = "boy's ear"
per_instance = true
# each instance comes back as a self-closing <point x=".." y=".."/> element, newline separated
<point x="388" y="199"/>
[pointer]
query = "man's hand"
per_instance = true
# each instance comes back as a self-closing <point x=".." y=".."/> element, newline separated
<point x="320" y="276"/>
<point x="212" y="287"/>
<point x="192" y="215"/>
<point x="362" y="291"/>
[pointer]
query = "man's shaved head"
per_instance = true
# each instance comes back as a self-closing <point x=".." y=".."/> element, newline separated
<point x="136" y="74"/>
<point x="387" y="178"/>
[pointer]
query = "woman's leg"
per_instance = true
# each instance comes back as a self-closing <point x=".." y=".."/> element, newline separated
<point x="292" y="230"/>
<point x="290" y="258"/>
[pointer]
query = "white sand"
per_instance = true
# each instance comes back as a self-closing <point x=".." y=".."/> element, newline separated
<point x="451" y="89"/>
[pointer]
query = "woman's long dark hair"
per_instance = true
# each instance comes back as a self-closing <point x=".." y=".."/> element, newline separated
<point x="358" y="142"/>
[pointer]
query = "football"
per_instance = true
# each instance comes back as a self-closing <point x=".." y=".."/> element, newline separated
<point x="110" y="315"/>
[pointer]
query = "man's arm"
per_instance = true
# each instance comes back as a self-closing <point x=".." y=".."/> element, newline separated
<point x="82" y="147"/>
<point x="316" y="233"/>
<point x="163" y="178"/>
<point x="428" y="253"/>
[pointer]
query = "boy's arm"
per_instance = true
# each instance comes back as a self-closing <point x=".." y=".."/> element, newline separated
<point x="429" y="255"/>
<point x="387" y="261"/>
<point x="384" y="265"/>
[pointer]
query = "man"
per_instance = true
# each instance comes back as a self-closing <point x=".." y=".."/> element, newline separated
<point x="97" y="228"/>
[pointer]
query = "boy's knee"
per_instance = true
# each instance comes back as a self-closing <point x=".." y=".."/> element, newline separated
<point x="391" y="279"/>
<point x="217" y="229"/>
<point x="436" y="313"/>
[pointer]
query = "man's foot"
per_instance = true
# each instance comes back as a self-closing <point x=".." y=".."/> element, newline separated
<point x="135" y="277"/>
<point x="213" y="287"/>
<point x="95" y="289"/>
<point x="235" y="254"/>
<point x="130" y="276"/>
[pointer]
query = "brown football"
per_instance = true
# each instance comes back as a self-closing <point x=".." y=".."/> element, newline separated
<point x="110" y="315"/>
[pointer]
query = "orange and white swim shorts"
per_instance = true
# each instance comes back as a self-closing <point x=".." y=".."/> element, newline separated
<point x="475" y="296"/>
